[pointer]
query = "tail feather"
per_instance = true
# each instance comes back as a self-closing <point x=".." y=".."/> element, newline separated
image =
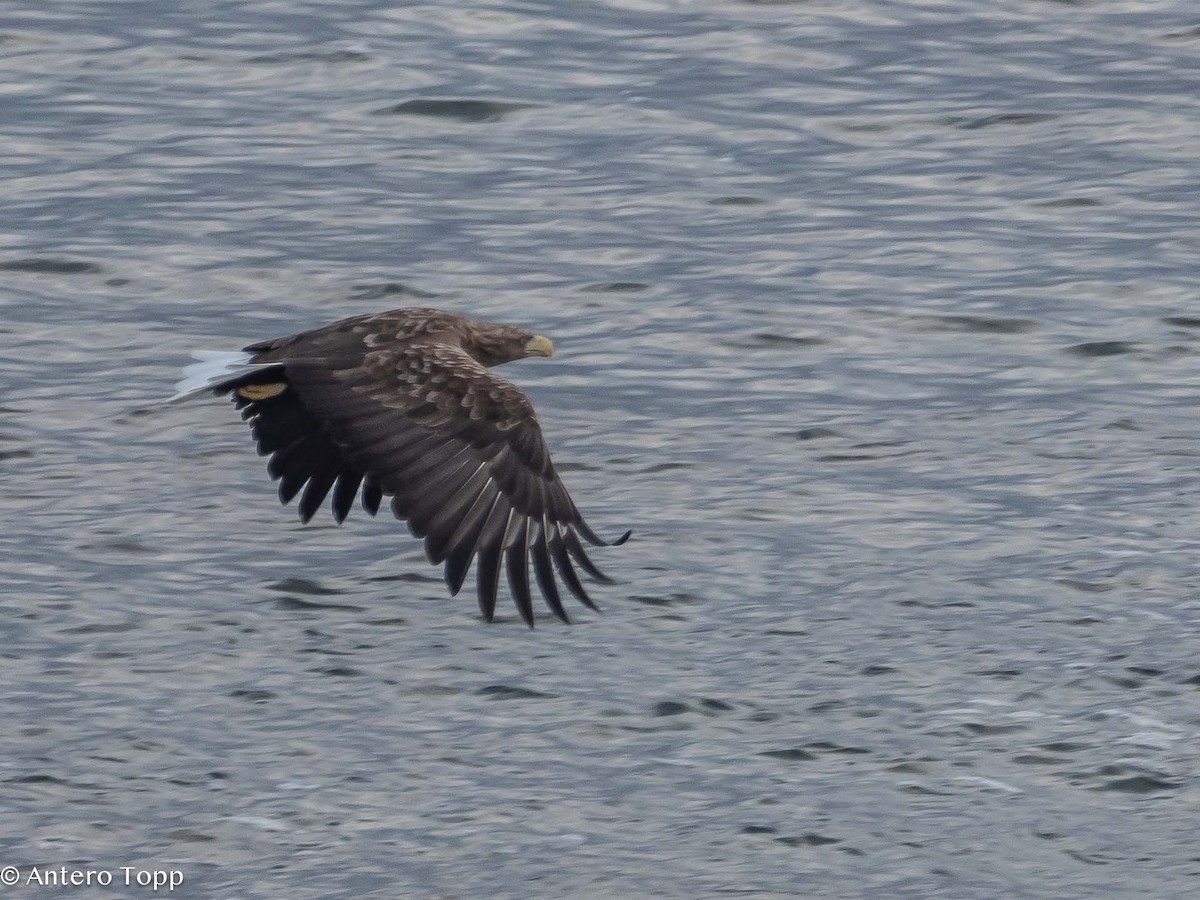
<point x="214" y="370"/>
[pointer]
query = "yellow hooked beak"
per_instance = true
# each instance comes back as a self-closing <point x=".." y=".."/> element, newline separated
<point x="539" y="346"/>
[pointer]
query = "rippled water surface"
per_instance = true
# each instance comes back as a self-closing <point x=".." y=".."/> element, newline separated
<point x="877" y="322"/>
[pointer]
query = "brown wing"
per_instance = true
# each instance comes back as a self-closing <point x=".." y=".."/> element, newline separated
<point x="302" y="455"/>
<point x="458" y="449"/>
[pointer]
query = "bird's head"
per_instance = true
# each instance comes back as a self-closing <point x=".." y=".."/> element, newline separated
<point x="496" y="344"/>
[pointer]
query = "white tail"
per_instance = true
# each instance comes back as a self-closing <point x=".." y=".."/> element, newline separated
<point x="213" y="369"/>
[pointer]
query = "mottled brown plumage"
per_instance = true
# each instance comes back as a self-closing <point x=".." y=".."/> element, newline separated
<point x="403" y="404"/>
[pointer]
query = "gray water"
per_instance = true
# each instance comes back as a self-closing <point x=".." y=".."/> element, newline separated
<point x="876" y="322"/>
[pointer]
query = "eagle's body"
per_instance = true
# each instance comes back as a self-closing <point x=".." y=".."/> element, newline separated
<point x="403" y="404"/>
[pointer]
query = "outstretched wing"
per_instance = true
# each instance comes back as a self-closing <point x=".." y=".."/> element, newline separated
<point x="458" y="449"/>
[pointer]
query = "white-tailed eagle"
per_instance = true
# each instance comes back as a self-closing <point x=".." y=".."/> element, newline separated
<point x="404" y="404"/>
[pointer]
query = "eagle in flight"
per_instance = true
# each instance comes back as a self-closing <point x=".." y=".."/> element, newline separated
<point x="404" y="404"/>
